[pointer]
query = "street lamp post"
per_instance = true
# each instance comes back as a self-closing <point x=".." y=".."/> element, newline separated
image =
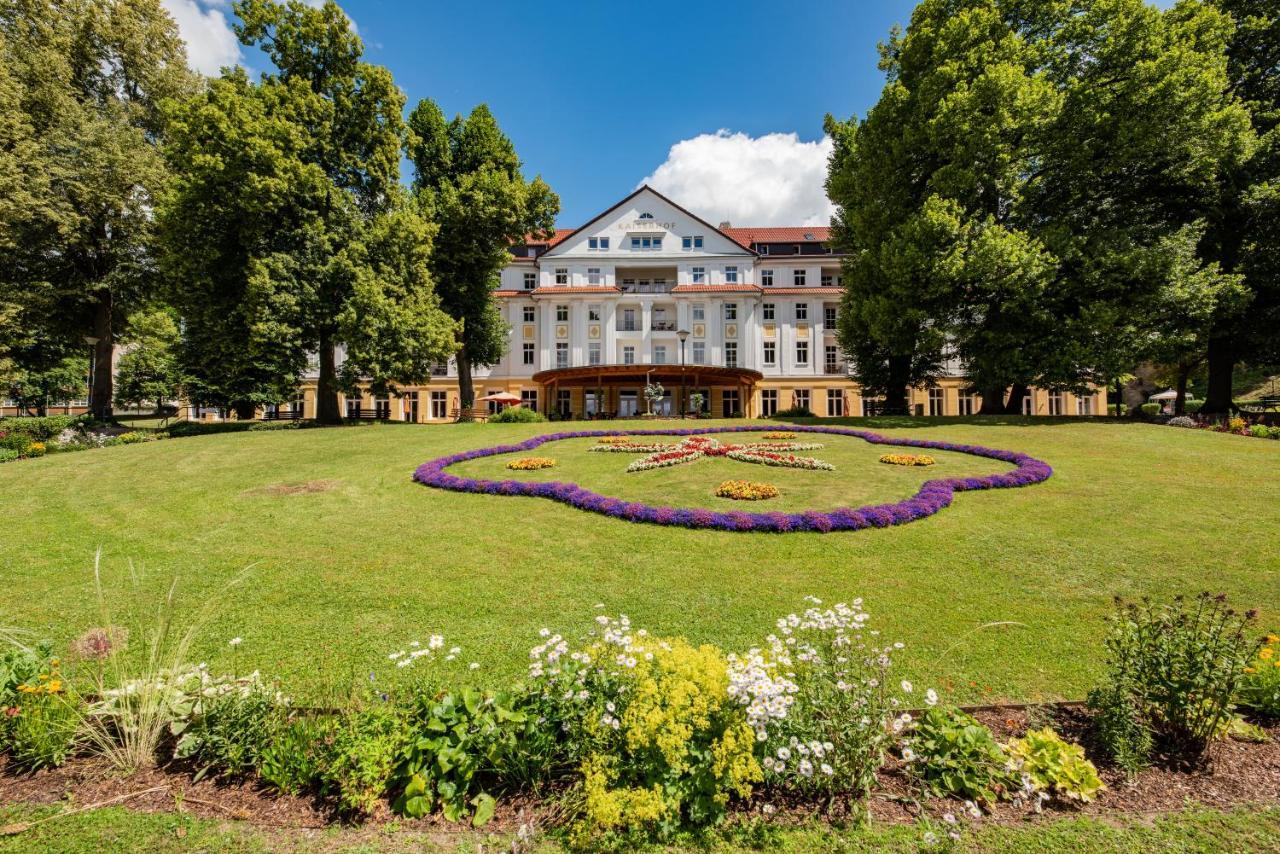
<point x="684" y="401"/>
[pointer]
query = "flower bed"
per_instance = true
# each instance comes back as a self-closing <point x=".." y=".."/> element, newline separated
<point x="907" y="459"/>
<point x="746" y="490"/>
<point x="772" y="458"/>
<point x="780" y="434"/>
<point x="531" y="463"/>
<point x="932" y="496"/>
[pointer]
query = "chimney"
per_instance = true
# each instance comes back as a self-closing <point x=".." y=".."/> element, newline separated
<point x="724" y="225"/>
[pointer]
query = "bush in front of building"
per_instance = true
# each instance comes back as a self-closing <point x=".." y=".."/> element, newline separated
<point x="39" y="429"/>
<point x="795" y="412"/>
<point x="517" y="415"/>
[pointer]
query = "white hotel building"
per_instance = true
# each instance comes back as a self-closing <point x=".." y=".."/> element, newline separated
<point x="647" y="291"/>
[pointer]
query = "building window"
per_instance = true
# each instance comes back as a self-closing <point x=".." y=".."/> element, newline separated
<point x="870" y="405"/>
<point x="937" y="402"/>
<point x="699" y="275"/>
<point x="825" y="280"/>
<point x="593" y="354"/>
<point x="593" y="313"/>
<point x="353" y="405"/>
<point x="731" y="311"/>
<point x="562" y="355"/>
<point x="731" y="354"/>
<point x="766" y="278"/>
<point x="440" y="369"/>
<point x="699" y="312"/>
<point x="1056" y="403"/>
<point x="966" y="403"/>
<point x="802" y="353"/>
<point x="694" y="242"/>
<point x="699" y="353"/>
<point x="529" y="398"/>
<point x="831" y="359"/>
<point x="530" y="281"/>
<point x="767" y="311"/>
<point x="646" y="243"/>
<point x="628" y="320"/>
<point x="797" y="278"/>
<point x="729" y="407"/>
<point x="628" y="355"/>
<point x="660" y="354"/>
<point x="598" y="243"/>
<point x="529" y="350"/>
<point x="564" y="401"/>
<point x="562" y="314"/>
<point x="731" y="275"/>
<point x="562" y="275"/>
<point x="768" y="402"/>
<point x="439" y="404"/>
<point x="604" y="243"/>
<point x="763" y="249"/>
<point x="830" y="314"/>
<point x="527" y="314"/>
<point x="802" y="311"/>
<point x="800" y="398"/>
<point x="770" y="354"/>
<point x="835" y="403"/>
<point x="1084" y="405"/>
<point x="593" y="276"/>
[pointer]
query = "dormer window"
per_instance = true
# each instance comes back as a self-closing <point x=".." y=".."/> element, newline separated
<point x="693" y="242"/>
<point x="763" y="249"/>
<point x="597" y="243"/>
<point x="808" y="235"/>
<point x="646" y="216"/>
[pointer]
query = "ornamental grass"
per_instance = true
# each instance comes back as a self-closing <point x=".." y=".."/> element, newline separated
<point x="746" y="490"/>
<point x="907" y="460"/>
<point x="531" y="463"/>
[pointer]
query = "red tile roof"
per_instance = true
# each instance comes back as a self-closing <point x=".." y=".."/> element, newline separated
<point x="690" y="289"/>
<point x="560" y="234"/>
<point x="574" y="289"/>
<point x="814" y="291"/>
<point x="774" y="234"/>
<point x="509" y="293"/>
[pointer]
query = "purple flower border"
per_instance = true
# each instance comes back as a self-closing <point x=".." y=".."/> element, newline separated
<point x="932" y="496"/>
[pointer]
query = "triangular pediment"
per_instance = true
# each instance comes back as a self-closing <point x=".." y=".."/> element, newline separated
<point x="646" y="213"/>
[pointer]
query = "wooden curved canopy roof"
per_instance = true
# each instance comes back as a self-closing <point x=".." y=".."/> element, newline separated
<point x="635" y="374"/>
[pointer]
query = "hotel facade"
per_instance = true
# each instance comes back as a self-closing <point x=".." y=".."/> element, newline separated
<point x="649" y="292"/>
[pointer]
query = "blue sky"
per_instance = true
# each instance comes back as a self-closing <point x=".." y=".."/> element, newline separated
<point x="599" y="97"/>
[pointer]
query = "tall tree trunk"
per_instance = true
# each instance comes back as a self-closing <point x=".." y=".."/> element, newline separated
<point x="1217" y="399"/>
<point x="327" y="384"/>
<point x="992" y="400"/>
<point x="1016" y="396"/>
<point x="245" y="410"/>
<point x="466" y="389"/>
<point x="895" y="396"/>
<point x="103" y="351"/>
<point x="1119" y="399"/>
<point x="1180" y="402"/>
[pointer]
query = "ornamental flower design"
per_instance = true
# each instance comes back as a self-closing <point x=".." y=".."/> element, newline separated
<point x="697" y="447"/>
<point x="932" y="496"/>
<point x="907" y="459"/>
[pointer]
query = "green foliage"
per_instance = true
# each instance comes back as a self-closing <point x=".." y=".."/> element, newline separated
<point x="40" y="429"/>
<point x="22" y="665"/>
<point x="517" y="415"/>
<point x="36" y="389"/>
<point x="43" y="731"/>
<point x="956" y="756"/>
<point x="1055" y="765"/>
<point x="148" y="371"/>
<point x="365" y="747"/>
<point x="1238" y="729"/>
<point x="8" y="455"/>
<point x="232" y="733"/>
<point x="794" y="412"/>
<point x="1259" y="690"/>
<point x="1119" y="730"/>
<point x="294" y="759"/>
<point x="1179" y="665"/>
<point x="455" y="738"/>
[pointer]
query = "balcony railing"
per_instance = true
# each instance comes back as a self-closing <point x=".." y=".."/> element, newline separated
<point x="662" y="326"/>
<point x="646" y="287"/>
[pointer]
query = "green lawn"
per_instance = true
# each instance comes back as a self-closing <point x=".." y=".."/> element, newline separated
<point x="119" y="829"/>
<point x="365" y="560"/>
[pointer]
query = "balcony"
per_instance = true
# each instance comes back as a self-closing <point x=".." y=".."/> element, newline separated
<point x="662" y="326"/>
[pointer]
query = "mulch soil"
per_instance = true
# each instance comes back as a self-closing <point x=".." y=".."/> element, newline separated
<point x="1235" y="774"/>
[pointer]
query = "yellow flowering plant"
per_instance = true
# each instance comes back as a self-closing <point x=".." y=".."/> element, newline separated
<point x="907" y="459"/>
<point x="746" y="490"/>
<point x="1259" y="690"/>
<point x="780" y="434"/>
<point x="531" y="463"/>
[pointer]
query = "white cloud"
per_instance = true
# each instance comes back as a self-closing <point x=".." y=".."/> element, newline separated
<point x="775" y="179"/>
<point x="211" y="43"/>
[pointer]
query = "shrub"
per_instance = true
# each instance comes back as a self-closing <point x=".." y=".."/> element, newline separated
<point x="953" y="755"/>
<point x="293" y="760"/>
<point x="794" y="412"/>
<point x="35" y="449"/>
<point x="1259" y="690"/>
<point x="1151" y="410"/>
<point x="1260" y="431"/>
<point x="454" y="739"/>
<point x="517" y="415"/>
<point x="1182" y="421"/>
<point x="1191" y="407"/>
<point x="21" y="665"/>
<point x="133" y="438"/>
<point x="40" y="429"/>
<point x="44" y="728"/>
<point x="8" y="455"/>
<point x="1055" y="766"/>
<point x="820" y="700"/>
<point x="1180" y="665"/>
<point x="366" y="744"/>
<point x="1119" y="730"/>
<point x="233" y="732"/>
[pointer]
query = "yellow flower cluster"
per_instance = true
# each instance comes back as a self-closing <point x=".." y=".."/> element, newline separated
<point x="746" y="490"/>
<point x="1266" y="656"/>
<point x="36" y="449"/>
<point x="780" y="434"/>
<point x="615" y="440"/>
<point x="907" y="460"/>
<point x="46" y="683"/>
<point x="531" y="463"/>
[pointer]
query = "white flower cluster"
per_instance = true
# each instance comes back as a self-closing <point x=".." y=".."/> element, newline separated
<point x="755" y="682"/>
<point x="809" y="758"/>
<point x="409" y="657"/>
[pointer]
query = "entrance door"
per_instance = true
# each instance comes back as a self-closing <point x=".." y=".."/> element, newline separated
<point x="627" y="404"/>
<point x="410" y="403"/>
